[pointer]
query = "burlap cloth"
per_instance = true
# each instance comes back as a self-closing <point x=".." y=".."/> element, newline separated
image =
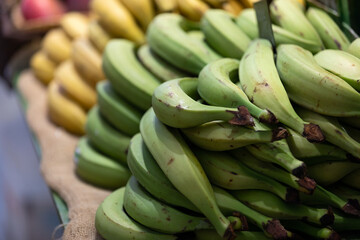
<point x="57" y="165"/>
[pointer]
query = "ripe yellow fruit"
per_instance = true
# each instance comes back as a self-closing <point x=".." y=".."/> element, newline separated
<point x="57" y="45"/>
<point x="42" y="67"/>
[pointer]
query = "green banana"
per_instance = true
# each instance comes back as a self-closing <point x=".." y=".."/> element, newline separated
<point x="175" y="104"/>
<point x="312" y="231"/>
<point x="144" y="167"/>
<point x="222" y="136"/>
<point x="248" y="23"/>
<point x="222" y="33"/>
<point x="313" y="153"/>
<point x="148" y="211"/>
<point x="167" y="37"/>
<point x="126" y="74"/>
<point x="323" y="197"/>
<point x="272" y="206"/>
<point x="345" y="223"/>
<point x="353" y="179"/>
<point x="105" y="138"/>
<point x="112" y="223"/>
<point x="305" y="185"/>
<point x="97" y="169"/>
<point x="345" y="192"/>
<point x="158" y="66"/>
<point x="330" y="172"/>
<point x="211" y="235"/>
<point x="354" y="48"/>
<point x="330" y="34"/>
<point x="289" y="16"/>
<point x="229" y="204"/>
<point x="182" y="168"/>
<point x="116" y="110"/>
<point x="220" y="76"/>
<point x="333" y="131"/>
<point x="311" y="86"/>
<point x="279" y="153"/>
<point x="225" y="171"/>
<point x="260" y="81"/>
<point x="342" y="64"/>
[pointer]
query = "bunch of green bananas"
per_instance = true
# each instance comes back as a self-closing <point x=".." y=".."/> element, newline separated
<point x="257" y="144"/>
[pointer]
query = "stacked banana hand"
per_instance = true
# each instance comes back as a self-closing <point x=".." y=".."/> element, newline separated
<point x="241" y="150"/>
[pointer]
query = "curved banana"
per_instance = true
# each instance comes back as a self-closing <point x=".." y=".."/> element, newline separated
<point x="65" y="112"/>
<point x="344" y="191"/>
<point x="87" y="61"/>
<point x="57" y="45"/>
<point x="182" y="168"/>
<point x="260" y="81"/>
<point x="98" y="36"/>
<point x="331" y="172"/>
<point x="147" y="172"/>
<point x="142" y="10"/>
<point x="112" y="223"/>
<point x="229" y="204"/>
<point x="227" y="172"/>
<point x="353" y="179"/>
<point x="116" y="110"/>
<point x="325" y="233"/>
<point x="323" y="197"/>
<point x="167" y="37"/>
<point x="216" y="86"/>
<point x="43" y="67"/>
<point x="97" y="169"/>
<point x="270" y="205"/>
<point x="345" y="223"/>
<point x="222" y="136"/>
<point x="333" y="131"/>
<point x="223" y="35"/>
<point x="74" y="85"/>
<point x="305" y="184"/>
<point x="75" y="25"/>
<point x="105" y="138"/>
<point x="330" y="33"/>
<point x="342" y="64"/>
<point x="291" y="17"/>
<point x="158" y="66"/>
<point x="248" y="23"/>
<point x="192" y="9"/>
<point x="166" y="6"/>
<point x="233" y="6"/>
<point x="117" y="20"/>
<point x="311" y="86"/>
<point x="313" y="153"/>
<point x="174" y="104"/>
<point x="127" y="76"/>
<point x="354" y="48"/>
<point x="152" y="213"/>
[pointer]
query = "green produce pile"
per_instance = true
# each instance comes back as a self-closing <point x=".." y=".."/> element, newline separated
<point x="216" y="137"/>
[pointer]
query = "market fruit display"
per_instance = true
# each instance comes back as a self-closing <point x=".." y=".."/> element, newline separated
<point x="207" y="134"/>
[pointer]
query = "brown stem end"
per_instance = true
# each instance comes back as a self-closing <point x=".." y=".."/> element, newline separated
<point x="241" y="117"/>
<point x="275" y="229"/>
<point x="268" y="118"/>
<point x="352" y="207"/>
<point x="300" y="171"/>
<point x="307" y="183"/>
<point x="328" y="218"/>
<point x="313" y="133"/>
<point x="279" y="133"/>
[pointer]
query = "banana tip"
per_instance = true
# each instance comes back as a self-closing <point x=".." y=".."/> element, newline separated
<point x="313" y="133"/>
<point x="307" y="183"/>
<point x="328" y="218"/>
<point x="269" y="117"/>
<point x="300" y="171"/>
<point x="241" y="117"/>
<point x="275" y="229"/>
<point x="279" y="133"/>
<point x="352" y="207"/>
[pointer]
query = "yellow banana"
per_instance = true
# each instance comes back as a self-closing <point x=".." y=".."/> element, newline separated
<point x="215" y="3"/>
<point x="64" y="112"/>
<point x="166" y="5"/>
<point x="57" y="45"/>
<point x="98" y="36"/>
<point x="117" y="20"/>
<point x="75" y="25"/>
<point x="233" y="6"/>
<point x="74" y="85"/>
<point x="87" y="61"/>
<point x="42" y="67"/>
<point x="192" y="9"/>
<point x="142" y="10"/>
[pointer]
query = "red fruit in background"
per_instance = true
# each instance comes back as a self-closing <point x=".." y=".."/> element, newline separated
<point x="41" y="9"/>
<point x="78" y="5"/>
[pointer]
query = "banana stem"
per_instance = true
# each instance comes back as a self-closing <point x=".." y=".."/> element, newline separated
<point x="322" y="233"/>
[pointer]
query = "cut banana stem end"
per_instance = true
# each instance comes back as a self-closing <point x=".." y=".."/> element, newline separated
<point x="313" y="133"/>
